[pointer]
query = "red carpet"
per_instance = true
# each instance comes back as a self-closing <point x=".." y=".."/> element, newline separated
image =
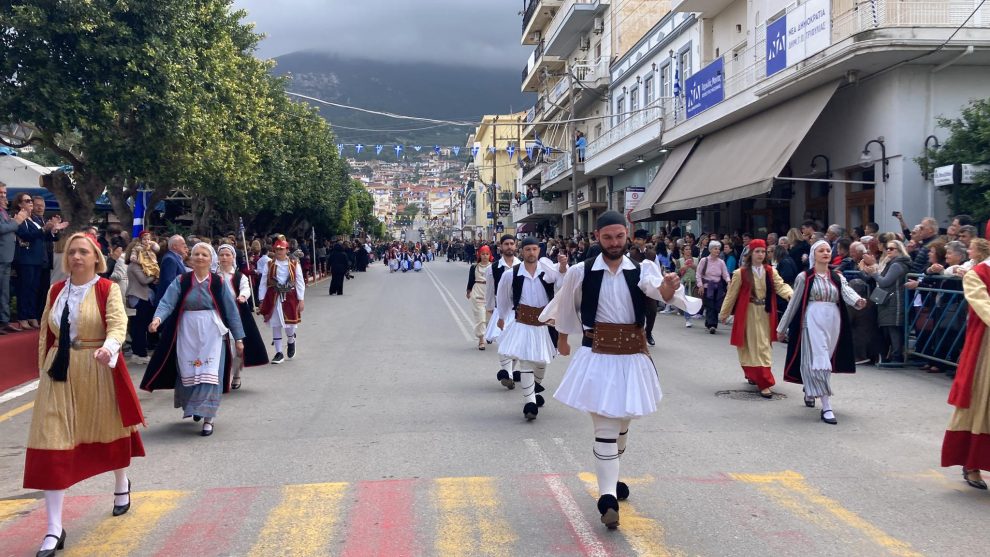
<point x="20" y="359"/>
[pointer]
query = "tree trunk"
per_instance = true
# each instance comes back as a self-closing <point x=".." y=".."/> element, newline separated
<point x="118" y="194"/>
<point x="202" y="208"/>
<point x="77" y="204"/>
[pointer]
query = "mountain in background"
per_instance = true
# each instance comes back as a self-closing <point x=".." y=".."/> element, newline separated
<point x="451" y="92"/>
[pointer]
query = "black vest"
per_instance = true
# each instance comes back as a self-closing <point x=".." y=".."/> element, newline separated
<point x="216" y="288"/>
<point x="497" y="271"/>
<point x="591" y="290"/>
<point x="517" y="286"/>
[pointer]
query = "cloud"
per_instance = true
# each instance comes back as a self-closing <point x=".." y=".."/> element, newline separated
<point x="484" y="34"/>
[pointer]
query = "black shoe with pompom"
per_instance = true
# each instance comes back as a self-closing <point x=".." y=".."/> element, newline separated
<point x="608" y="506"/>
<point x="530" y="410"/>
<point x="621" y="491"/>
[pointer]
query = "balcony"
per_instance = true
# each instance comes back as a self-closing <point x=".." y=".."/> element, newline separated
<point x="704" y="8"/>
<point x="627" y="138"/>
<point x="538" y="14"/>
<point x="555" y="174"/>
<point x="538" y="209"/>
<point x="574" y="20"/>
<point x="538" y="60"/>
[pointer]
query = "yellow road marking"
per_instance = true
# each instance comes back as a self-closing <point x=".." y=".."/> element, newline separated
<point x="303" y="523"/>
<point x="795" y="483"/>
<point x="645" y="535"/>
<point x="16" y="411"/>
<point x="123" y="535"/>
<point x="13" y="508"/>
<point x="470" y="521"/>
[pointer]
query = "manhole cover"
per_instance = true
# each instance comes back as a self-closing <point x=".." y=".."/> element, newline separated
<point x="747" y="395"/>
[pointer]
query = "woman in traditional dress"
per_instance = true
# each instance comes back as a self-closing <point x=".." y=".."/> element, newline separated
<point x="819" y="330"/>
<point x="86" y="410"/>
<point x="198" y="311"/>
<point x="476" y="286"/>
<point x="967" y="439"/>
<point x="255" y="352"/>
<point x="751" y="301"/>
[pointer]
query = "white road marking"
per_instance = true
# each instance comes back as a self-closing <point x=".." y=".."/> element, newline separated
<point x="19" y="391"/>
<point x="567" y="504"/>
<point x="568" y="455"/>
<point x="467" y="318"/>
<point x="443" y="296"/>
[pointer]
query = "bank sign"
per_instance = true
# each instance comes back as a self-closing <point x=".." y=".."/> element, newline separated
<point x="802" y="32"/>
<point x="705" y="89"/>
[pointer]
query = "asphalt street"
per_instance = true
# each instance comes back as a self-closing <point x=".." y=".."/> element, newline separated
<point x="389" y="435"/>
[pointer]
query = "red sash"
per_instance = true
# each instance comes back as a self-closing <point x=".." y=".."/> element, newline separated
<point x="962" y="385"/>
<point x="742" y="304"/>
<point x="127" y="400"/>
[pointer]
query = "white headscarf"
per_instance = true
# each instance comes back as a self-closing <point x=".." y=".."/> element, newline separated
<point x="231" y="249"/>
<point x="814" y="247"/>
<point x="213" y="253"/>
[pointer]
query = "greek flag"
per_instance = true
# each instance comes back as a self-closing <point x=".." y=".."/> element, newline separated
<point x="140" y="204"/>
<point x="491" y="149"/>
<point x="529" y="152"/>
<point x="398" y="151"/>
<point x="417" y="147"/>
<point x="359" y="147"/>
<point x="456" y="150"/>
<point x="511" y="150"/>
<point x="538" y="143"/>
<point x="378" y="149"/>
<point x="677" y="83"/>
<point x="436" y="149"/>
<point x="240" y="225"/>
<point x="340" y="148"/>
<point x="474" y="151"/>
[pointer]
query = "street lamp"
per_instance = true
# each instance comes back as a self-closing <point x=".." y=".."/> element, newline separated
<point x="866" y="160"/>
<point x="828" y="164"/>
<point x="926" y="172"/>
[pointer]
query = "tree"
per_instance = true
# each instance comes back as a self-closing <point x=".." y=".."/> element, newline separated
<point x="968" y="142"/>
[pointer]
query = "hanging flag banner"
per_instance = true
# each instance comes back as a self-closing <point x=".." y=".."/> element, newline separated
<point x="491" y="149"/>
<point x="511" y="150"/>
<point x="140" y="202"/>
<point x="474" y="151"/>
<point x="340" y="148"/>
<point x="378" y="149"/>
<point x="436" y="149"/>
<point x="398" y="151"/>
<point x="417" y="148"/>
<point x="529" y="151"/>
<point x="359" y="147"/>
<point x="456" y="150"/>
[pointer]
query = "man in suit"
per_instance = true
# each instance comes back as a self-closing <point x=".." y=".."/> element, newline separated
<point x="173" y="265"/>
<point x="8" y="240"/>
<point x="53" y="226"/>
<point x="30" y="256"/>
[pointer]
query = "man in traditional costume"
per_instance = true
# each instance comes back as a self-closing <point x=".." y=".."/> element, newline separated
<point x="611" y="375"/>
<point x="282" y="289"/>
<point x="522" y="294"/>
<point x="751" y="301"/>
<point x="507" y="249"/>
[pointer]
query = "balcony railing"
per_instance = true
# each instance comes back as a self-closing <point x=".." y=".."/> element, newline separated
<point x="589" y="73"/>
<point x="555" y="169"/>
<point x="534" y="60"/>
<point x="538" y="206"/>
<point x="528" y="14"/>
<point x="562" y="13"/>
<point x="632" y="124"/>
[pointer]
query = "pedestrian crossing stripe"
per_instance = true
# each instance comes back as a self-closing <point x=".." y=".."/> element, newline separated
<point x="444" y="516"/>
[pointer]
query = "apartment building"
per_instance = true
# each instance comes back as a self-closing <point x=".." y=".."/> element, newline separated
<point x="486" y="198"/>
<point x="786" y="111"/>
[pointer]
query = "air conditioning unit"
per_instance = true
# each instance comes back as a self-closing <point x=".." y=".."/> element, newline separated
<point x="585" y="43"/>
<point x="599" y="25"/>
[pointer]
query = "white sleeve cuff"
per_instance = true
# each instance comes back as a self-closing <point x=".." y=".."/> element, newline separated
<point x="113" y="346"/>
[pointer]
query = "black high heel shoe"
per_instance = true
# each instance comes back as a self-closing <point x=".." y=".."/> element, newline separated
<point x="978" y="484"/>
<point x="122" y="509"/>
<point x="58" y="546"/>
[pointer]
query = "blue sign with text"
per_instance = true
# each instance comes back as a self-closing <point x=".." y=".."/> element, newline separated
<point x="705" y="89"/>
<point x="776" y="46"/>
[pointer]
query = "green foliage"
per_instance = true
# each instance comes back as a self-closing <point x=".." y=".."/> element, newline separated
<point x="968" y="142"/>
<point x="169" y="94"/>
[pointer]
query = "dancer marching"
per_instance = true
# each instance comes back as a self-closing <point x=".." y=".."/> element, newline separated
<point x="522" y="294"/>
<point x="255" y="352"/>
<point x="193" y="358"/>
<point x="818" y="327"/>
<point x="751" y="301"/>
<point x="476" y="286"/>
<point x="282" y="289"/>
<point x="85" y="411"/>
<point x="611" y="375"/>
<point x="507" y="249"/>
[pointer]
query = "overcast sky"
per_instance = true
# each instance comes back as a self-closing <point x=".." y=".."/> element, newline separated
<point x="463" y="31"/>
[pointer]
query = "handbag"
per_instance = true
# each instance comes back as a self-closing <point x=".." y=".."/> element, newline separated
<point x="879" y="296"/>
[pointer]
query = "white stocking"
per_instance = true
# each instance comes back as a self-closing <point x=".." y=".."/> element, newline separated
<point x="606" y="453"/>
<point x="505" y="362"/>
<point x="277" y="337"/>
<point x="526" y="381"/>
<point x="623" y="437"/>
<point x="290" y="333"/>
<point x="120" y="486"/>
<point x="54" y="501"/>
<point x="826" y="404"/>
<point x="539" y="371"/>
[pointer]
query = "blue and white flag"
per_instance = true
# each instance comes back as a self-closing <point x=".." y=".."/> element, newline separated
<point x="677" y="83"/>
<point x="378" y="149"/>
<point x="456" y="150"/>
<point x="436" y="149"/>
<point x="511" y="150"/>
<point x="359" y="147"/>
<point x="474" y="151"/>
<point x="240" y="225"/>
<point x="537" y="143"/>
<point x="417" y="147"/>
<point x="529" y="151"/>
<point x="398" y="151"/>
<point x="140" y="205"/>
<point x="491" y="149"/>
<point x="340" y="148"/>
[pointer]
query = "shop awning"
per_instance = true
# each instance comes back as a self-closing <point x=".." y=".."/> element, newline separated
<point x="743" y="159"/>
<point x="668" y="171"/>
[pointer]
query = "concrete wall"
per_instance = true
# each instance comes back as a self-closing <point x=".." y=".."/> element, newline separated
<point x="723" y="36"/>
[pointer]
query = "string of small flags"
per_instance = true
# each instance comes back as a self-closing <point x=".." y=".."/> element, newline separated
<point x="531" y="149"/>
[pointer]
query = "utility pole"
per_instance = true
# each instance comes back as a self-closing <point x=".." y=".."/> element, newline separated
<point x="570" y="132"/>
<point x="494" y="186"/>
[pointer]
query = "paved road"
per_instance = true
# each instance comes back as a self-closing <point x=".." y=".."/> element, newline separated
<point x="388" y="435"/>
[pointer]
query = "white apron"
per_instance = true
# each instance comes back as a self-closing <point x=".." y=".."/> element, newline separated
<point x="197" y="347"/>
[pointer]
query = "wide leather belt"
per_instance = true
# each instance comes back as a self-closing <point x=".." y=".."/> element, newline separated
<point x="87" y="343"/>
<point x="529" y="315"/>
<point x="616" y="339"/>
<point x="757" y="302"/>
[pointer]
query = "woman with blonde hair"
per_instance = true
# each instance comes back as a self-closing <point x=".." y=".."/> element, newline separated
<point x="86" y="410"/>
<point x="890" y="301"/>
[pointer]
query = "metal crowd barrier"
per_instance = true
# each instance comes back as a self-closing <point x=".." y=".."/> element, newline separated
<point x="935" y="319"/>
